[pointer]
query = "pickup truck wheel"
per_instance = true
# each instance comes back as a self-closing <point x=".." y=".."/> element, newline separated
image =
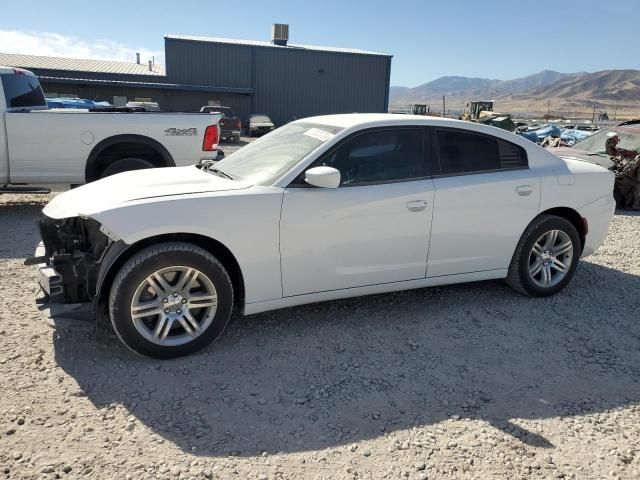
<point x="170" y="299"/>
<point x="546" y="257"/>
<point x="125" y="165"/>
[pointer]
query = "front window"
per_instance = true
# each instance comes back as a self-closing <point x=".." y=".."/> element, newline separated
<point x="22" y="91"/>
<point x="264" y="161"/>
<point x="379" y="156"/>
<point x="597" y="143"/>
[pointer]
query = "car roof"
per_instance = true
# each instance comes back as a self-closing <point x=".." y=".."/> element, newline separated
<point x="360" y="119"/>
<point x="357" y="121"/>
<point x="633" y="129"/>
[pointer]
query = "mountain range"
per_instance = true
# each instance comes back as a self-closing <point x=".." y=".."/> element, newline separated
<point x="579" y="91"/>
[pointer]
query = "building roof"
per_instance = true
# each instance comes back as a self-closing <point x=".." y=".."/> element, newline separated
<point x="258" y="43"/>
<point x="79" y="65"/>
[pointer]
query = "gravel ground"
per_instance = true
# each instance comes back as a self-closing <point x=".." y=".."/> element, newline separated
<point x="470" y="381"/>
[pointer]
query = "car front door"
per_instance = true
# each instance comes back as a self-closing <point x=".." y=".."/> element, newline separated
<point x="373" y="229"/>
<point x="485" y="197"/>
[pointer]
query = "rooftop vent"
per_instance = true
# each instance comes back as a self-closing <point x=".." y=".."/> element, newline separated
<point x="280" y="34"/>
<point x="138" y="58"/>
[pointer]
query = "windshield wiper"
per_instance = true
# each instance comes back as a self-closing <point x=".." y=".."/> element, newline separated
<point x="219" y="173"/>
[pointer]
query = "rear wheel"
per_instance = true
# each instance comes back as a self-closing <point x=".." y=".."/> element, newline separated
<point x="125" y="165"/>
<point x="546" y="257"/>
<point x="169" y="300"/>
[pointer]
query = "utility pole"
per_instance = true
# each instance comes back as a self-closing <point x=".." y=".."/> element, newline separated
<point x="593" y="116"/>
<point x="443" y="105"/>
<point x="548" y="108"/>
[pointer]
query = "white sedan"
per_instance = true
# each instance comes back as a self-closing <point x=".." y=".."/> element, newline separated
<point x="322" y="208"/>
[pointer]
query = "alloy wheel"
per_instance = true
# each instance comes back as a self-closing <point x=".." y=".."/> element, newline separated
<point x="550" y="258"/>
<point x="174" y="305"/>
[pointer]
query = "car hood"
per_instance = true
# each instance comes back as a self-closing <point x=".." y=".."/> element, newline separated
<point x="571" y="153"/>
<point x="136" y="185"/>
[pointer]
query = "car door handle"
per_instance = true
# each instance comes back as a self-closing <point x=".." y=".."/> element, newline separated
<point x="524" y="190"/>
<point x="417" y="205"/>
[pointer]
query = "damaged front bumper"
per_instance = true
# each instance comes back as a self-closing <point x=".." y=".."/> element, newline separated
<point x="67" y="262"/>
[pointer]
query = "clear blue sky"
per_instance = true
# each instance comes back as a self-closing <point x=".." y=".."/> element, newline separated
<point x="428" y="39"/>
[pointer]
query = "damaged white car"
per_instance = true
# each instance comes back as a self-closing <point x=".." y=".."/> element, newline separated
<point x="322" y="208"/>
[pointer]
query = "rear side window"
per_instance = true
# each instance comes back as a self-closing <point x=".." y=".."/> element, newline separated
<point x="464" y="152"/>
<point x="22" y="91"/>
<point x="379" y="156"/>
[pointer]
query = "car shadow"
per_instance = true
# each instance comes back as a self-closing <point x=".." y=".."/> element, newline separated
<point x="628" y="213"/>
<point x="19" y="233"/>
<point x="323" y="375"/>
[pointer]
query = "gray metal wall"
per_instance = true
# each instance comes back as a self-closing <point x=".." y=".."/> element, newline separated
<point x="200" y="63"/>
<point x="298" y="84"/>
<point x="286" y="83"/>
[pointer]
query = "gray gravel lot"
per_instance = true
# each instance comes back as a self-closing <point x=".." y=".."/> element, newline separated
<point x="469" y="381"/>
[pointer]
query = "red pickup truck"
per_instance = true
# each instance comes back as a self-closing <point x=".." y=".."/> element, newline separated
<point x="230" y="125"/>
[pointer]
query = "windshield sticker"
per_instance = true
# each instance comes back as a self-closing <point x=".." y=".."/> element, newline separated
<point x="318" y="134"/>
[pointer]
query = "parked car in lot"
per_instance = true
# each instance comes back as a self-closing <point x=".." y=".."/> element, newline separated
<point x="146" y="106"/>
<point x="322" y="208"/>
<point x="259" y="124"/>
<point x="622" y="161"/>
<point x="230" y="124"/>
<point x="73" y="146"/>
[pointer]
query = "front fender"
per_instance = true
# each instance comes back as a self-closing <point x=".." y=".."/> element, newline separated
<point x="248" y="225"/>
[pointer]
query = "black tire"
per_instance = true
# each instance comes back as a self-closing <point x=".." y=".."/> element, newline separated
<point x="125" y="165"/>
<point x="143" y="264"/>
<point x="519" y="277"/>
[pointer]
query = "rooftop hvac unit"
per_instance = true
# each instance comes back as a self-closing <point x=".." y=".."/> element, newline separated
<point x="280" y="34"/>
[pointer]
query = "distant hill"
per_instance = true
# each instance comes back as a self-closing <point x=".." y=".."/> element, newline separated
<point x="398" y="92"/>
<point x="622" y="85"/>
<point x="566" y="91"/>
<point x="470" y="88"/>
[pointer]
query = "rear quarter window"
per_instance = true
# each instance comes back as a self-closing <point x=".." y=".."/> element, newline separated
<point x="21" y="91"/>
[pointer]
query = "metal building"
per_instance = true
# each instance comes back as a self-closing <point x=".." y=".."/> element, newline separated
<point x="277" y="78"/>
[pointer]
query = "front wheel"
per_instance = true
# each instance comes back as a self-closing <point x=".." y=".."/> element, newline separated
<point x="546" y="257"/>
<point x="170" y="299"/>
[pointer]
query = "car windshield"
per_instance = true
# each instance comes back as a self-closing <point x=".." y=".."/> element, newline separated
<point x="596" y="143"/>
<point x="265" y="160"/>
<point x="260" y="118"/>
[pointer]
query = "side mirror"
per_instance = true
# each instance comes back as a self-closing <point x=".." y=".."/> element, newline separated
<point x="323" y="177"/>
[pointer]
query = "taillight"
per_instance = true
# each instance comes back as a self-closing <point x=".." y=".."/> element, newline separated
<point x="210" y="142"/>
<point x="238" y="124"/>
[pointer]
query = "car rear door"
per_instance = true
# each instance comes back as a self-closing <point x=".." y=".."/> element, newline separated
<point x="373" y="229"/>
<point x="485" y="196"/>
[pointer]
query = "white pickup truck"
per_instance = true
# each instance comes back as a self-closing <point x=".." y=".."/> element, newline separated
<point x="39" y="145"/>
